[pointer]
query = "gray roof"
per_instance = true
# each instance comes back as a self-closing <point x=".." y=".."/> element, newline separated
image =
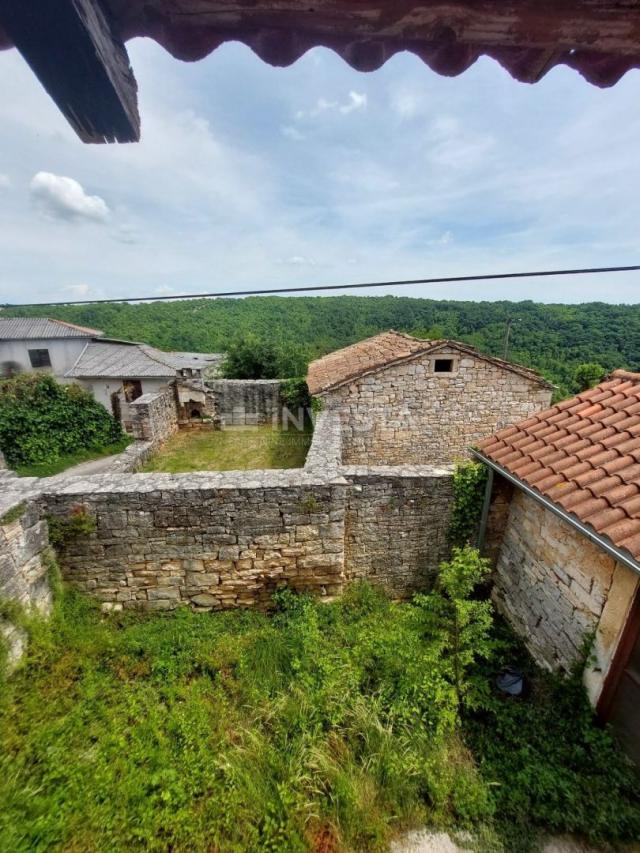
<point x="185" y="360"/>
<point x="25" y="328"/>
<point x="136" y="361"/>
<point x="118" y="361"/>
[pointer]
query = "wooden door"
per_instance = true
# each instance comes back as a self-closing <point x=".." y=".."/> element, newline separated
<point x="620" y="703"/>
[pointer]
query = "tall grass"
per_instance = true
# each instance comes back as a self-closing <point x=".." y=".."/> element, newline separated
<point x="319" y="727"/>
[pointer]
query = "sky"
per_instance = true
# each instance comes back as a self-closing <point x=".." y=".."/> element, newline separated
<point x="249" y="176"/>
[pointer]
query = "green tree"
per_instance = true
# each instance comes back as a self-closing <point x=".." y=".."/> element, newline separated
<point x="587" y="375"/>
<point x="461" y="621"/>
<point x="251" y="357"/>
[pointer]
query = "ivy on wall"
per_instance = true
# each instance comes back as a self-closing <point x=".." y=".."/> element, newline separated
<point x="469" y="481"/>
<point x="42" y="420"/>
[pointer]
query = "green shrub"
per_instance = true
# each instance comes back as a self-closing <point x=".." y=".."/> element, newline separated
<point x="42" y="420"/>
<point x="462" y="623"/>
<point x="469" y="480"/>
<point x="295" y="395"/>
<point x="65" y="529"/>
<point x="321" y="727"/>
<point x="549" y="766"/>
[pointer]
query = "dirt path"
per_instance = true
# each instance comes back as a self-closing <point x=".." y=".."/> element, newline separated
<point x="93" y="466"/>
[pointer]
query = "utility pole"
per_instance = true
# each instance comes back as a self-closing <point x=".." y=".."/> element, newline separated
<point x="510" y="323"/>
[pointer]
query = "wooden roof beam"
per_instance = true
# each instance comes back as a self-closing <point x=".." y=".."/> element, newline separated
<point x="84" y="66"/>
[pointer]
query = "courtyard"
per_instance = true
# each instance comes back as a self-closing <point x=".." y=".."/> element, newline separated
<point x="231" y="449"/>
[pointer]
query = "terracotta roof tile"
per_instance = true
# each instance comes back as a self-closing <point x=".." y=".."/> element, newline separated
<point x="385" y="349"/>
<point x="584" y="455"/>
<point x="631" y="506"/>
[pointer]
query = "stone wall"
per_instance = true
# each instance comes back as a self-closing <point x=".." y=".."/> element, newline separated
<point x="209" y="540"/>
<point x="23" y="568"/>
<point x="246" y="402"/>
<point x="551" y="582"/>
<point x="407" y="414"/>
<point x="215" y="540"/>
<point x="396" y="525"/>
<point x="154" y="417"/>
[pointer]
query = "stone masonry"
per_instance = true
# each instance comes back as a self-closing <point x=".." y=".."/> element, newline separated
<point x="154" y="416"/>
<point x="396" y="525"/>
<point x="215" y="540"/>
<point x="23" y="570"/>
<point x="209" y="540"/>
<point x="244" y="402"/>
<point x="550" y="582"/>
<point x="408" y="414"/>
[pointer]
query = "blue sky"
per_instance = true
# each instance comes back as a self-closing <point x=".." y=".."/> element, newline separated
<point x="251" y="176"/>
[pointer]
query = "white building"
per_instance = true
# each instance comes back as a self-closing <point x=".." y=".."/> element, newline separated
<point x="37" y="343"/>
<point x="115" y="372"/>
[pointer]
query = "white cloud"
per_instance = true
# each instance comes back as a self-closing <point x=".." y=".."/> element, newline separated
<point x="5" y="181"/>
<point x="298" y="261"/>
<point x="126" y="234"/>
<point x="355" y="101"/>
<point x="407" y="104"/>
<point x="79" y="289"/>
<point x="292" y="133"/>
<point x="65" y="198"/>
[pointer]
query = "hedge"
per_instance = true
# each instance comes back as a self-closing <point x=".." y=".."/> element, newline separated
<point x="42" y="420"/>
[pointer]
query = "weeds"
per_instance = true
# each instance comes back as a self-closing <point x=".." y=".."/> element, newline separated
<point x="320" y="727"/>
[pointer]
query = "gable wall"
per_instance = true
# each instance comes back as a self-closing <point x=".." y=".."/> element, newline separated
<point x="406" y="414"/>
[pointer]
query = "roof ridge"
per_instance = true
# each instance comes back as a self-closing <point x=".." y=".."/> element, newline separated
<point x="620" y="373"/>
<point x="72" y="325"/>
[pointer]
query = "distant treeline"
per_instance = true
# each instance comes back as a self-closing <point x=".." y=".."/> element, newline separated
<point x="554" y="339"/>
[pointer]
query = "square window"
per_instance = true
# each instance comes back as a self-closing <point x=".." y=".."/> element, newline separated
<point x="443" y="365"/>
<point x="39" y="358"/>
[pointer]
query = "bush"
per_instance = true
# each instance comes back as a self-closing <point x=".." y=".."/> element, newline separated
<point x="42" y="420"/>
<point x="469" y="481"/>
<point x="295" y="394"/>
<point x="323" y="727"/>
<point x="253" y="357"/>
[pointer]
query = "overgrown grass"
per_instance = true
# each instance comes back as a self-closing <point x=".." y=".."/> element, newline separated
<point x="321" y="727"/>
<point x="231" y="449"/>
<point x="49" y="469"/>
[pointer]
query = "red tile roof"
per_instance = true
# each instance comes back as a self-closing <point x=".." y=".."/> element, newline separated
<point x="383" y="351"/>
<point x="583" y="455"/>
<point x="598" y="38"/>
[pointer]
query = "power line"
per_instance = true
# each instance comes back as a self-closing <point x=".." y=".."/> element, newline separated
<point x="317" y="287"/>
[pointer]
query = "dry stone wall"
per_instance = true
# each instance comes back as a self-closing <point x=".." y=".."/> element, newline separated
<point x="550" y="582"/>
<point x="246" y="402"/>
<point x="209" y="540"/>
<point x="23" y="568"/>
<point x="154" y="416"/>
<point x="407" y="414"/>
<point x="217" y="540"/>
<point x="396" y="525"/>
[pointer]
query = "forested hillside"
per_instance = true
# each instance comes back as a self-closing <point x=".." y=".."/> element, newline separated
<point x="555" y="339"/>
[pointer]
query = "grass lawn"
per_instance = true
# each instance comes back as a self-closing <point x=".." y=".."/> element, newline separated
<point x="231" y="449"/>
<point x="48" y="469"/>
<point x="319" y="728"/>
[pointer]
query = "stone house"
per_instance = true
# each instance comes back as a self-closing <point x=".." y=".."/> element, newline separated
<point x="403" y="400"/>
<point x="564" y="531"/>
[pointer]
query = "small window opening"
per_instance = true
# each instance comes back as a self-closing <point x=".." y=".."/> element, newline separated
<point x="132" y="389"/>
<point x="39" y="358"/>
<point x="443" y="365"/>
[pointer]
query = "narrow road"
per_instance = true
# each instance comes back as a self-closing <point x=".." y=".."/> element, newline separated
<point x="93" y="466"/>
